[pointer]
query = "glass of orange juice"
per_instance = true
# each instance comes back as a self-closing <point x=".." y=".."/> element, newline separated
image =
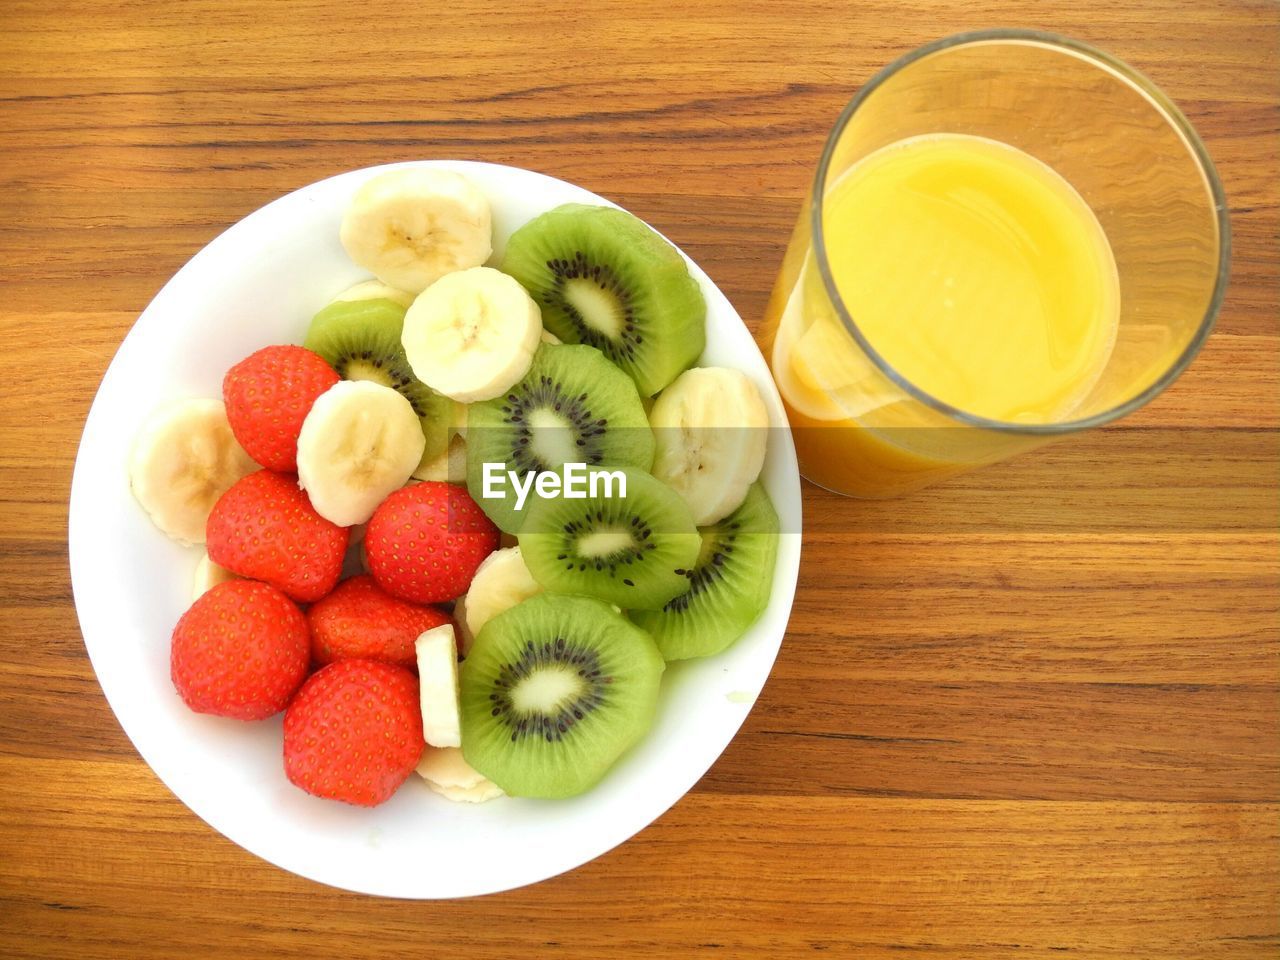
<point x="1011" y="237"/>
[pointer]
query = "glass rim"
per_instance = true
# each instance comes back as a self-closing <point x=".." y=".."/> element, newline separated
<point x="1172" y="115"/>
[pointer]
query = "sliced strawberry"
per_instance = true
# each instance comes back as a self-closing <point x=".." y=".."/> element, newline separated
<point x="241" y="651"/>
<point x="354" y="732"/>
<point x="265" y="528"/>
<point x="268" y="394"/>
<point x="361" y="621"/>
<point x="424" y="542"/>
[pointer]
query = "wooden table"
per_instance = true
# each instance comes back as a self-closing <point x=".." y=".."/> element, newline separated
<point x="1033" y="713"/>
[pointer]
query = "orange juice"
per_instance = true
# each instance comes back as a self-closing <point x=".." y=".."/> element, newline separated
<point x="978" y="275"/>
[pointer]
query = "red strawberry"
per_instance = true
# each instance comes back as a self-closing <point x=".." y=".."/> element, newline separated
<point x="242" y="650"/>
<point x="265" y="528"/>
<point x="354" y="732"/>
<point x="359" y="621"/>
<point x="425" y="541"/>
<point x="268" y="395"/>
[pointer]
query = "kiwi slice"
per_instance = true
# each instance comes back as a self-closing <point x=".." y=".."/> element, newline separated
<point x="727" y="588"/>
<point x="603" y="277"/>
<point x="361" y="340"/>
<point x="553" y="691"/>
<point x="627" y="550"/>
<point x="573" y="406"/>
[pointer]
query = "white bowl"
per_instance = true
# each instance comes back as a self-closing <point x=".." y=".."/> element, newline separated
<point x="259" y="283"/>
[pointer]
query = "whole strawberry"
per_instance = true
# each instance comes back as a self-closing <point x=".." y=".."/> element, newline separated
<point x="268" y="394"/>
<point x="354" y="732"/>
<point x="424" y="542"/>
<point x="360" y="621"/>
<point x="241" y="651"/>
<point x="265" y="528"/>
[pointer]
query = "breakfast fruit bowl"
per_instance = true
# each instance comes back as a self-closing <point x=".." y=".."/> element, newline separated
<point x="275" y="323"/>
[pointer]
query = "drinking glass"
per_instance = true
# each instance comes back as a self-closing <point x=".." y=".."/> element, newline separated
<point x="862" y="428"/>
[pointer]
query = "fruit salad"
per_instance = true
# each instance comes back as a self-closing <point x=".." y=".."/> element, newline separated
<point x="461" y="526"/>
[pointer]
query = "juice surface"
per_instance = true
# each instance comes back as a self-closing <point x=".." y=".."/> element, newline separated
<point x="973" y="269"/>
<point x="977" y="272"/>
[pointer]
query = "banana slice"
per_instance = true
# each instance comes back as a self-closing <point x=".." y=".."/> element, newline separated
<point x="438" y="684"/>
<point x="410" y="227"/>
<point x="472" y="334"/>
<point x="207" y="576"/>
<point x="374" y="290"/>
<point x="711" y="429"/>
<point x="450" y="466"/>
<point x="500" y="582"/>
<point x="359" y="442"/>
<point x="184" y="458"/>
<point x="449" y="775"/>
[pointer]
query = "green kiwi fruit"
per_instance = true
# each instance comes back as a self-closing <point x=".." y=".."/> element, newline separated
<point x="605" y="278"/>
<point x="553" y="691"/>
<point x="627" y="550"/>
<point x="361" y="340"/>
<point x="573" y="406"/>
<point x="728" y="586"/>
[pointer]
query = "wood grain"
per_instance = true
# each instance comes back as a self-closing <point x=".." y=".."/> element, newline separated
<point x="1032" y="713"/>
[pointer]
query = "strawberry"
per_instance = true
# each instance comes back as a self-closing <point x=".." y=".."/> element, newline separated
<point x="354" y="732"/>
<point x="268" y="395"/>
<point x="241" y="651"/>
<point x="425" y="541"/>
<point x="265" y="528"/>
<point x="359" y="621"/>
